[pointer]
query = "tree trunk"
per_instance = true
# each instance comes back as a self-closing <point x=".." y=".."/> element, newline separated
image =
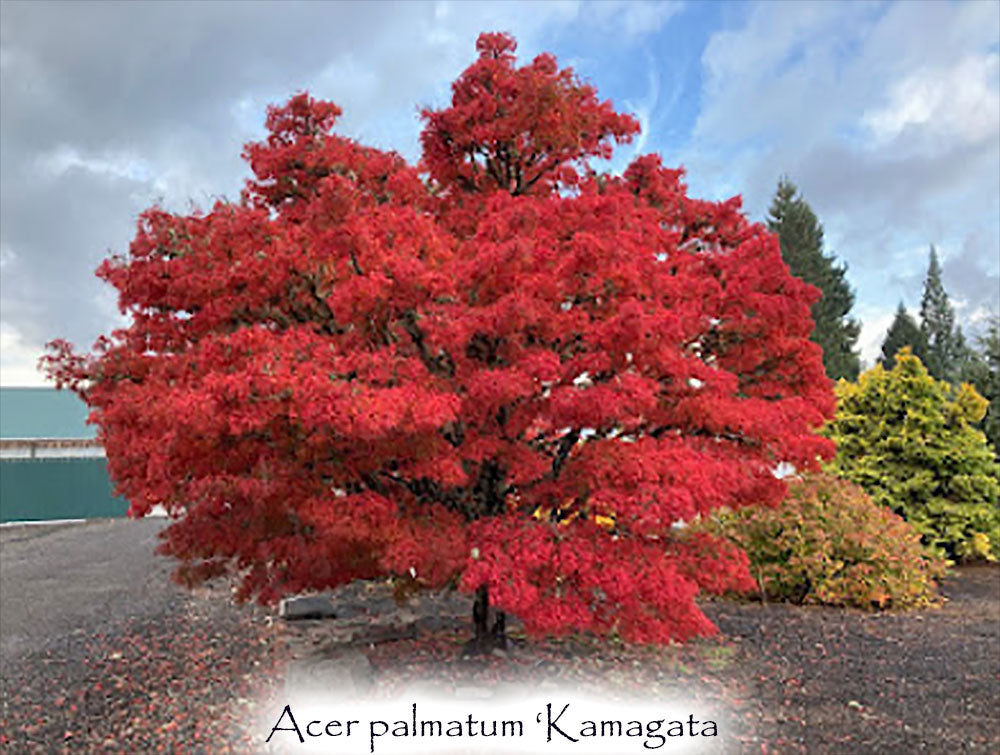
<point x="489" y="627"/>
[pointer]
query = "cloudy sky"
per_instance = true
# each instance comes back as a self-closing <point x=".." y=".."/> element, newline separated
<point x="887" y="116"/>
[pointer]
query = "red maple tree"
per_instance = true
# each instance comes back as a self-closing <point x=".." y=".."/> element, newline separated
<point x="499" y="369"/>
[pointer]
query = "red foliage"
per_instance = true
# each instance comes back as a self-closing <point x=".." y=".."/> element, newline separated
<point x="499" y="368"/>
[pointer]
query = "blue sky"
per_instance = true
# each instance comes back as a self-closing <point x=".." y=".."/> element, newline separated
<point x="886" y="114"/>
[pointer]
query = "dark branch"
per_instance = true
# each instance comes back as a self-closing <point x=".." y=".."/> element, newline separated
<point x="442" y="364"/>
<point x="562" y="451"/>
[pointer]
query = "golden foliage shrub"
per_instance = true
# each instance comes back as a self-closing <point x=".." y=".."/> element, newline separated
<point x="829" y="543"/>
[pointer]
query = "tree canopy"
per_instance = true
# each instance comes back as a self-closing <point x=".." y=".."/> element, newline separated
<point x="982" y="369"/>
<point x="904" y="332"/>
<point x="911" y="442"/>
<point x="498" y="369"/>
<point x="945" y="348"/>
<point x="801" y="236"/>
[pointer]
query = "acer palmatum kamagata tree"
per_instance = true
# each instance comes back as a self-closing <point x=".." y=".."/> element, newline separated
<point x="498" y="369"/>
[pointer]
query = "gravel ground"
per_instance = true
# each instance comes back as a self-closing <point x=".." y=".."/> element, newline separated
<point x="190" y="671"/>
<point x="826" y="680"/>
<point x="61" y="580"/>
<point x="100" y="652"/>
<point x="796" y="679"/>
<point x="185" y="679"/>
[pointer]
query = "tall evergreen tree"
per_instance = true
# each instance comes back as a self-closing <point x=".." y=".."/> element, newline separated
<point x="990" y="344"/>
<point x="945" y="344"/>
<point x="966" y="361"/>
<point x="801" y="235"/>
<point x="983" y="371"/>
<point x="904" y="331"/>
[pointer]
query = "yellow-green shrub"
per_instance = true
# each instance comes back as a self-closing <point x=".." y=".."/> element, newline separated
<point x="829" y="543"/>
<point x="911" y="442"/>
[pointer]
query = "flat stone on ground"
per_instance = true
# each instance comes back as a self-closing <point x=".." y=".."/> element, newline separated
<point x="307" y="607"/>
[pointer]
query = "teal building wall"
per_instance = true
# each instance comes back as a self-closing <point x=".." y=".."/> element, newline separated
<point x="40" y="489"/>
<point x="43" y="413"/>
<point x="51" y="488"/>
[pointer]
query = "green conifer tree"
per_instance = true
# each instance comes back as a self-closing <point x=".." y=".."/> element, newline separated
<point x="911" y="442"/>
<point x="990" y="344"/>
<point x="945" y="346"/>
<point x="982" y="369"/>
<point x="904" y="331"/>
<point x="801" y="235"/>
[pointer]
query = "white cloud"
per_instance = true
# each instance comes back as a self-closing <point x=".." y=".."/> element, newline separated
<point x="979" y="317"/>
<point x="90" y="140"/>
<point x="633" y="19"/>
<point x="18" y="360"/>
<point x="640" y="18"/>
<point x="960" y="101"/>
<point x="887" y="117"/>
<point x="874" y="325"/>
<point x="878" y="112"/>
<point x="645" y="109"/>
<point x="105" y="302"/>
<point x="111" y="163"/>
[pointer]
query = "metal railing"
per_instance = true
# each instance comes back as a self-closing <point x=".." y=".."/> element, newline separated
<point x="50" y="448"/>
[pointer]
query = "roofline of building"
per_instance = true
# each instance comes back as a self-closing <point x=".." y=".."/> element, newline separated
<point x="49" y="442"/>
